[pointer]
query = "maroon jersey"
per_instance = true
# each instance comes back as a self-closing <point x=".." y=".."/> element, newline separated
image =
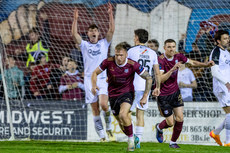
<point x="170" y="86"/>
<point x="77" y="93"/>
<point x="120" y="78"/>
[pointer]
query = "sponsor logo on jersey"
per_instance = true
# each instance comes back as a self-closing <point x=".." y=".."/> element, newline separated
<point x="94" y="52"/>
<point x="227" y="62"/>
<point x="112" y="69"/>
<point x="144" y="51"/>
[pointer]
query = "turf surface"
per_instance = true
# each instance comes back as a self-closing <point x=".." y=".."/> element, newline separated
<point x="106" y="147"/>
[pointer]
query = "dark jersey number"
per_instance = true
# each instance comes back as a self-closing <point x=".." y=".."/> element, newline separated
<point x="144" y="63"/>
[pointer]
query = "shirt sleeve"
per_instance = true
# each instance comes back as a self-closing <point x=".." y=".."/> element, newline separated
<point x="103" y="65"/>
<point x="161" y="65"/>
<point x="215" y="56"/>
<point x="192" y="77"/>
<point x="183" y="58"/>
<point x="106" y="42"/>
<point x="155" y="59"/>
<point x="83" y="46"/>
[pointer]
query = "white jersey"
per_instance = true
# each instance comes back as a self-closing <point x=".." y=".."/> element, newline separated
<point x="145" y="57"/>
<point x="222" y="59"/>
<point x="93" y="55"/>
<point x="186" y="76"/>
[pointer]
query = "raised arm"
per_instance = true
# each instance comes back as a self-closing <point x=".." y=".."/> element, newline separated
<point x="96" y="72"/>
<point x="148" y="85"/>
<point x="109" y="34"/>
<point x="77" y="38"/>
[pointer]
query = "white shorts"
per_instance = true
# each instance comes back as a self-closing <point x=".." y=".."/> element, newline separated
<point x="223" y="98"/>
<point x="136" y="102"/>
<point x="103" y="89"/>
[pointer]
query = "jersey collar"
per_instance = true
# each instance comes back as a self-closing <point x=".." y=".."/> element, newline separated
<point x="126" y="61"/>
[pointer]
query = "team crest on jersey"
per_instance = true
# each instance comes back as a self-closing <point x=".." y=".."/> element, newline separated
<point x="126" y="70"/>
<point x="176" y="61"/>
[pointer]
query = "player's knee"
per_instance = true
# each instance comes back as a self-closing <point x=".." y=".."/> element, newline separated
<point x="105" y="107"/>
<point x="123" y="116"/>
<point x="179" y="118"/>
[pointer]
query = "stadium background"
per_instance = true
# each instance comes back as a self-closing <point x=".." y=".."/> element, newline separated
<point x="163" y="19"/>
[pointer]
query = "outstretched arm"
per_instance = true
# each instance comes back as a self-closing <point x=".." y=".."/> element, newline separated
<point x="109" y="34"/>
<point x="96" y="72"/>
<point x="148" y="85"/>
<point x="200" y="64"/>
<point x="77" y="38"/>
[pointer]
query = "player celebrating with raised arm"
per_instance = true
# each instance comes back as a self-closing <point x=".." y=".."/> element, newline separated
<point x="94" y="52"/>
<point x="147" y="58"/>
<point x="170" y="101"/>
<point x="221" y="82"/>
<point x="120" y="72"/>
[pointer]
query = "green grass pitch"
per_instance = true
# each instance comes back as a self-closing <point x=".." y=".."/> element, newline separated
<point x="96" y="147"/>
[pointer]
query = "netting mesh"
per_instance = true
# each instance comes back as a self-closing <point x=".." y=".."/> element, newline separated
<point x="187" y="22"/>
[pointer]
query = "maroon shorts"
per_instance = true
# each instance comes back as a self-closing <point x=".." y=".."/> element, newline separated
<point x="167" y="103"/>
<point x="115" y="102"/>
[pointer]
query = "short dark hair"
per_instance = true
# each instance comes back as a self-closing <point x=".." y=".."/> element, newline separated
<point x="93" y="26"/>
<point x="194" y="44"/>
<point x="123" y="45"/>
<point x="169" y="41"/>
<point x="142" y="35"/>
<point x="219" y="34"/>
<point x="154" y="41"/>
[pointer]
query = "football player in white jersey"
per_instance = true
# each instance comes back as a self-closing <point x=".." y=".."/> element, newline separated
<point x="221" y="82"/>
<point x="148" y="59"/>
<point x="94" y="52"/>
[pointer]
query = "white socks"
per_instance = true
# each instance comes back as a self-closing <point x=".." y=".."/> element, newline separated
<point x="139" y="132"/>
<point x="219" y="128"/>
<point x="227" y="127"/>
<point x="98" y="126"/>
<point x="107" y="118"/>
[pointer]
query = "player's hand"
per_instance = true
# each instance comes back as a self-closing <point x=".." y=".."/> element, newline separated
<point x="210" y="63"/>
<point x="44" y="16"/>
<point x="156" y="92"/>
<point x="49" y="86"/>
<point x="94" y="90"/>
<point x="176" y="66"/>
<point x="75" y="15"/>
<point x="110" y="8"/>
<point x="37" y="94"/>
<point x="74" y="85"/>
<point x="182" y="85"/>
<point x="143" y="101"/>
<point x="228" y="86"/>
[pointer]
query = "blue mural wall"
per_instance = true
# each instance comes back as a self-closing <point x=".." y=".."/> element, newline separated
<point x="197" y="16"/>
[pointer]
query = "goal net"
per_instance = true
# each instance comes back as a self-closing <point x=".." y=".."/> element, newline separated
<point x="31" y="91"/>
